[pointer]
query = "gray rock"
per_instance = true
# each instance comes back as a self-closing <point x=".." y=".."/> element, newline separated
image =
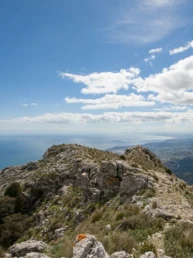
<point x="165" y="215"/>
<point x="132" y="183"/>
<point x="36" y="255"/>
<point x="121" y="254"/>
<point x="89" y="247"/>
<point x="160" y="253"/>
<point x="63" y="190"/>
<point x="27" y="247"/>
<point x="60" y="232"/>
<point x="148" y="255"/>
<point x="109" y="168"/>
<point x="108" y="227"/>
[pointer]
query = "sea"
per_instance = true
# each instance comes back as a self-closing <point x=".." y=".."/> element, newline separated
<point x="20" y="149"/>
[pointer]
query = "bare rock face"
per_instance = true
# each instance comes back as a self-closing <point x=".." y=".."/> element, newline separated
<point x="110" y="178"/>
<point x="86" y="246"/>
<point x="27" y="247"/>
<point x="132" y="183"/>
<point x="121" y="254"/>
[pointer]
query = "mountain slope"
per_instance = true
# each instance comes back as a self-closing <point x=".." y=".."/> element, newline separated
<point x="129" y="202"/>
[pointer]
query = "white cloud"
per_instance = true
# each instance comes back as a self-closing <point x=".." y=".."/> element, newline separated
<point x="149" y="59"/>
<point x="109" y="117"/>
<point x="172" y="108"/>
<point x="104" y="82"/>
<point x="173" y="85"/>
<point x="162" y="3"/>
<point x="182" y="49"/>
<point x="30" y="104"/>
<point x="155" y="50"/>
<point x="146" y="21"/>
<point x="112" y="101"/>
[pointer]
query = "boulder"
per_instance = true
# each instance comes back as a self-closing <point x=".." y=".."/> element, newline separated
<point x="148" y="255"/>
<point x="28" y="247"/>
<point x="86" y="246"/>
<point x="121" y="254"/>
<point x="132" y="183"/>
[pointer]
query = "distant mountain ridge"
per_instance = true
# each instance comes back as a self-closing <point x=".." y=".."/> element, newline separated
<point x="176" y="154"/>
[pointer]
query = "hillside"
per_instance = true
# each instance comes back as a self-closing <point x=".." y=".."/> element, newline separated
<point x="129" y="202"/>
<point x="176" y="154"/>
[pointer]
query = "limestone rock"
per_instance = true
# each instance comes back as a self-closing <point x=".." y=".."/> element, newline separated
<point x="63" y="190"/>
<point x="60" y="232"/>
<point x="160" y="253"/>
<point x="121" y="254"/>
<point x="86" y="246"/>
<point x="27" y="247"/>
<point x="165" y="215"/>
<point x="132" y="183"/>
<point x="36" y="255"/>
<point x="148" y="255"/>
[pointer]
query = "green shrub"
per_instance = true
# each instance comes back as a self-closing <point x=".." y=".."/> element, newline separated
<point x="19" y="204"/>
<point x="96" y="216"/>
<point x="154" y="205"/>
<point x="120" y="215"/>
<point x="13" y="190"/>
<point x="7" y="207"/>
<point x="14" y="227"/>
<point x="122" y="157"/>
<point x="168" y="171"/>
<point x="149" y="193"/>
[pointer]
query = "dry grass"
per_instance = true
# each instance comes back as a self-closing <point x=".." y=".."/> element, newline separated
<point x="179" y="241"/>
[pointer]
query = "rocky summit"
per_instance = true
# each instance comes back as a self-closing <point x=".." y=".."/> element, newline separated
<point x="79" y="202"/>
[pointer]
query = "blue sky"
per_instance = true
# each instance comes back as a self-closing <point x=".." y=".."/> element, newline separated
<point x="96" y="66"/>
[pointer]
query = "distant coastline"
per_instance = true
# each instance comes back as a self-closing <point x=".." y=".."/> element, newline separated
<point x="17" y="150"/>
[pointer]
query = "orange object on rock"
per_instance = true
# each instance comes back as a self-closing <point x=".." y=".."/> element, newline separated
<point x="80" y="237"/>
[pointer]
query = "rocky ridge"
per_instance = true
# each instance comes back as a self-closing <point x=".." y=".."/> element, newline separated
<point x="131" y="203"/>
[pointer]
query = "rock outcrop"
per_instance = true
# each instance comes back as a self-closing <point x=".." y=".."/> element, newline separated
<point x="86" y="246"/>
<point x="25" y="248"/>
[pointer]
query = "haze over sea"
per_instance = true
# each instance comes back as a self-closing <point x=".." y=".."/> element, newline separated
<point x="18" y="150"/>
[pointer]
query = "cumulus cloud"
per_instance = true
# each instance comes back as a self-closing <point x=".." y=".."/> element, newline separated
<point x="104" y="82"/>
<point x="112" y="101"/>
<point x="155" y="50"/>
<point x="182" y="48"/>
<point x="173" y="85"/>
<point x="110" y="117"/>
